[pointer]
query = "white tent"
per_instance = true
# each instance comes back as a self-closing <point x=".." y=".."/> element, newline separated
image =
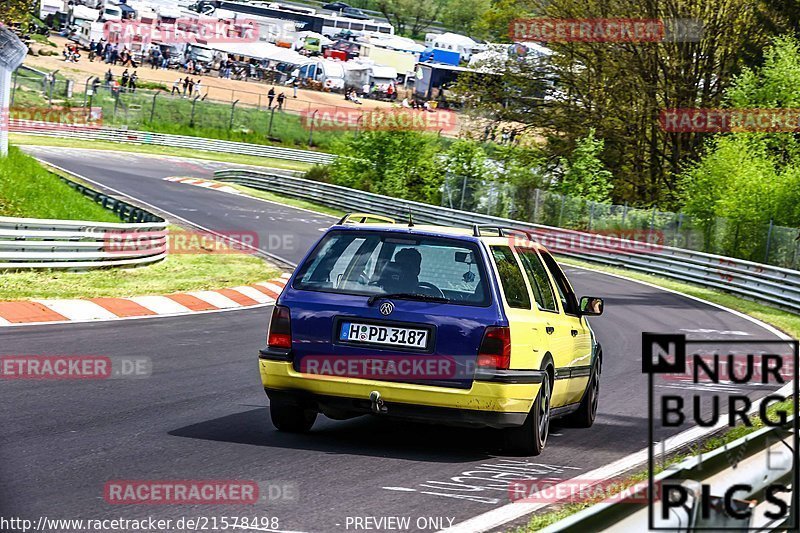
<point x="261" y="50"/>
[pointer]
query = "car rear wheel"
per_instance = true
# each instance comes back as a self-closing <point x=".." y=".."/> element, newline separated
<point x="291" y="418"/>
<point x="587" y="412"/>
<point x="531" y="437"/>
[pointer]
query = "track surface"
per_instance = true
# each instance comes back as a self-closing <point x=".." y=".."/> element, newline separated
<point x="202" y="414"/>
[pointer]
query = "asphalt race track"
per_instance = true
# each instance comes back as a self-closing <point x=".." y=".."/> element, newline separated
<point x="202" y="414"/>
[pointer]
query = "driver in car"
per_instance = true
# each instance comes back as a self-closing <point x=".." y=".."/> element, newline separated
<point x="401" y="275"/>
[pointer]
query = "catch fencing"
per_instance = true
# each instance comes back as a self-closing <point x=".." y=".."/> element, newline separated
<point x="775" y="286"/>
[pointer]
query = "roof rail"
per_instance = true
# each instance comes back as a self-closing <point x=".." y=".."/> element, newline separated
<point x="501" y="230"/>
<point x="349" y="218"/>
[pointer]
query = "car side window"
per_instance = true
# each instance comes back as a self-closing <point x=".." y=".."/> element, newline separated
<point x="540" y="282"/>
<point x="565" y="293"/>
<point x="511" y="278"/>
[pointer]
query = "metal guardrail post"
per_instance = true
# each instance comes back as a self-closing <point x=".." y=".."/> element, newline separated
<point x="153" y="107"/>
<point x="233" y="110"/>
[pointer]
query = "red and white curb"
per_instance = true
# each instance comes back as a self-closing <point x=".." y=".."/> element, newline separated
<point x="199" y="182"/>
<point x="27" y="312"/>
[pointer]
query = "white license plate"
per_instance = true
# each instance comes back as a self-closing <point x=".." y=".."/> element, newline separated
<point x="389" y="335"/>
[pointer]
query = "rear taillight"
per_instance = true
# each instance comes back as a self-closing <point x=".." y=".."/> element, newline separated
<point x="495" y="350"/>
<point x="280" y="328"/>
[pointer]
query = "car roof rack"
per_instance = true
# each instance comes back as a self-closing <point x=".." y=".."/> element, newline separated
<point x="361" y="218"/>
<point x="501" y="230"/>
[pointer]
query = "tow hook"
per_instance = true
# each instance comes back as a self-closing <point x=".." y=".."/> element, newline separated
<point x="377" y="403"/>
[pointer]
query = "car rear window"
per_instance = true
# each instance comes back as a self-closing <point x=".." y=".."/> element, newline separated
<point x="371" y="262"/>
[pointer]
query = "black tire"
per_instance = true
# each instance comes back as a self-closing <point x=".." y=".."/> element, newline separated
<point x="291" y="418"/>
<point x="530" y="438"/>
<point x="587" y="412"/>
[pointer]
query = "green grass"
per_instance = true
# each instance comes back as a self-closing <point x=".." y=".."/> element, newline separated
<point x="28" y="190"/>
<point x="212" y="120"/>
<point x="160" y="150"/>
<point x="179" y="272"/>
<point x="173" y="115"/>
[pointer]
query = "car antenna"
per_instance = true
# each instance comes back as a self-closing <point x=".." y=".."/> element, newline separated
<point x="410" y="220"/>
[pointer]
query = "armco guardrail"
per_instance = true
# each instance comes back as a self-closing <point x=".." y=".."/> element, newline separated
<point x="79" y="244"/>
<point x="99" y="133"/>
<point x="767" y="284"/>
<point x="82" y="244"/>
<point x="757" y="461"/>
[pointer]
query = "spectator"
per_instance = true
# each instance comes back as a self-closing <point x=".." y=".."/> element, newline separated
<point x="281" y="98"/>
<point x="124" y="79"/>
<point x="295" y="84"/>
<point x="197" y="87"/>
<point x="405" y="103"/>
<point x="270" y="97"/>
<point x="92" y="47"/>
<point x="185" y="85"/>
<point x="176" y="87"/>
<point x="365" y="90"/>
<point x="189" y="86"/>
<point x="109" y="78"/>
<point x="132" y="82"/>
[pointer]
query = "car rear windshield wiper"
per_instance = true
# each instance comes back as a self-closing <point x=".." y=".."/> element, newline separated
<point x="408" y="296"/>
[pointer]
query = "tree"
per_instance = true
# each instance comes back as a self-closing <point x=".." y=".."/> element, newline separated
<point x="620" y="88"/>
<point x="410" y="17"/>
<point x="465" y="168"/>
<point x="464" y="15"/>
<point x="584" y="175"/>
<point x="13" y="11"/>
<point x="399" y="163"/>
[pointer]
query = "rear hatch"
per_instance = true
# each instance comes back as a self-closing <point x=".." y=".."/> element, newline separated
<point x="390" y="306"/>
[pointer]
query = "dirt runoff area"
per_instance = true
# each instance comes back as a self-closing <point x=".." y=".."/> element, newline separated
<point x="217" y="89"/>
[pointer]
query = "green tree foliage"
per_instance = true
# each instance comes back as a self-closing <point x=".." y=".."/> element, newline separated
<point x="13" y="11"/>
<point x="620" y="88"/>
<point x="465" y="171"/>
<point x="464" y="16"/>
<point x="410" y="17"/>
<point x="584" y="174"/>
<point x="750" y="178"/>
<point x="400" y="163"/>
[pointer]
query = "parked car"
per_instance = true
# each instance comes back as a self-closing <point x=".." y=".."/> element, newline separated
<point x="464" y="327"/>
<point x="335" y="6"/>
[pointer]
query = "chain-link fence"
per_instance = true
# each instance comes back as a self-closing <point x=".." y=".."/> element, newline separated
<point x="763" y="242"/>
<point x="182" y="109"/>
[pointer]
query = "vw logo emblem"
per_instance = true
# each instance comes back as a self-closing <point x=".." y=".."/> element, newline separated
<point x="387" y="308"/>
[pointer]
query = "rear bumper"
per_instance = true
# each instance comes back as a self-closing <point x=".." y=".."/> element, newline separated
<point x="492" y="403"/>
<point x="420" y="413"/>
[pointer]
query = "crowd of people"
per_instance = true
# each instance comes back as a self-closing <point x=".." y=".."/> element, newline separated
<point x="126" y="82"/>
<point x="187" y="87"/>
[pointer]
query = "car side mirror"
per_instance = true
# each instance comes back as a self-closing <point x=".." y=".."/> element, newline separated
<point x="591" y="306"/>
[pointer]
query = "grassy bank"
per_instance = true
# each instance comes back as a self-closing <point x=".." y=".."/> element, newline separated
<point x="177" y="273"/>
<point x="36" y="140"/>
<point x="28" y="190"/>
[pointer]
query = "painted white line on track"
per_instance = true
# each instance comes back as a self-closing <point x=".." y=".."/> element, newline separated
<point x="214" y="298"/>
<point x="160" y="305"/>
<point x="145" y="317"/>
<point x="77" y="309"/>
<point x="253" y="294"/>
